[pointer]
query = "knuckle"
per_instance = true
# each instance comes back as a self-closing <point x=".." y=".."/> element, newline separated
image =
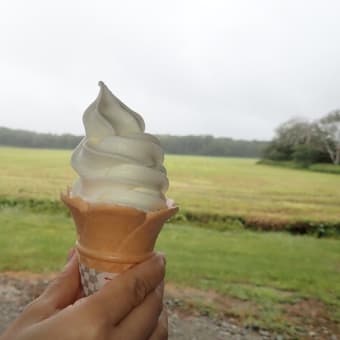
<point x="53" y="285"/>
<point x="38" y="303"/>
<point x="32" y="306"/>
<point x="139" y="289"/>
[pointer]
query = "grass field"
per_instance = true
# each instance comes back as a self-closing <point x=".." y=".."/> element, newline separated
<point x="226" y="186"/>
<point x="270" y="272"/>
<point x="318" y="167"/>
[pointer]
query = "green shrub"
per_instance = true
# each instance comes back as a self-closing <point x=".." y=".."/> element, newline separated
<point x="305" y="155"/>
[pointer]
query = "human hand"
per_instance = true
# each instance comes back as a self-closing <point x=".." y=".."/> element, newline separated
<point x="129" y="307"/>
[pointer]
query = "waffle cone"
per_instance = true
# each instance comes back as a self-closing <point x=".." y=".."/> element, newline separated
<point x="112" y="238"/>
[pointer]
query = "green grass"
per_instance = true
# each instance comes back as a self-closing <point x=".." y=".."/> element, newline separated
<point x="330" y="168"/>
<point x="318" y="167"/>
<point x="224" y="186"/>
<point x="270" y="270"/>
<point x="34" y="242"/>
<point x="260" y="267"/>
<point x="267" y="269"/>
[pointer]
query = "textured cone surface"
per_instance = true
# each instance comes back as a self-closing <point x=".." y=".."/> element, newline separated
<point x="112" y="238"/>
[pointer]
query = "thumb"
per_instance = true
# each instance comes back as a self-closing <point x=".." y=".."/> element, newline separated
<point x="64" y="289"/>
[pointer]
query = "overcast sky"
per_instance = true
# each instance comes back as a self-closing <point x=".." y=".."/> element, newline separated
<point x="226" y="68"/>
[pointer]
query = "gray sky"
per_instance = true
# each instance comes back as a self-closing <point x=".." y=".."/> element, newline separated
<point x="227" y="68"/>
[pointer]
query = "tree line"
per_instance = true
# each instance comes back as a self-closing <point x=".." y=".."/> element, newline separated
<point x="184" y="145"/>
<point x="307" y="142"/>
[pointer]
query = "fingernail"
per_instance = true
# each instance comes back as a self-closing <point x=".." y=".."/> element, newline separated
<point x="160" y="288"/>
<point x="163" y="257"/>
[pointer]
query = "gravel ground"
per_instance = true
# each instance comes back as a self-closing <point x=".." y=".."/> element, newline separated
<point x="16" y="292"/>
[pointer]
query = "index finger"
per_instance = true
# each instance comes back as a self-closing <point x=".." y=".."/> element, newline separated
<point x="127" y="290"/>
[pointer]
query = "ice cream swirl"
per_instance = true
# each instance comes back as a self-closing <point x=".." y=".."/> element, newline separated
<point x="117" y="162"/>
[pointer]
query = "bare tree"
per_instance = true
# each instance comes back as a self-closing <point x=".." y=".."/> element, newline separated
<point x="295" y="131"/>
<point x="329" y="129"/>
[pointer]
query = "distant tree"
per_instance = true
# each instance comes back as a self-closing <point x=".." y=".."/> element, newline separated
<point x="31" y="139"/>
<point x="329" y="131"/>
<point x="211" y="146"/>
<point x="288" y="135"/>
<point x="187" y="145"/>
<point x="305" y="154"/>
<point x="294" y="132"/>
<point x="277" y="152"/>
<point x="298" y="140"/>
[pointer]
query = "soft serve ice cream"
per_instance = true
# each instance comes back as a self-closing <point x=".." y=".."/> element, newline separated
<point x="117" y="162"/>
<point x="118" y="202"/>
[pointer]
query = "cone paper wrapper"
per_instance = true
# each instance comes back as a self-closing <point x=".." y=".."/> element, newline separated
<point x="112" y="238"/>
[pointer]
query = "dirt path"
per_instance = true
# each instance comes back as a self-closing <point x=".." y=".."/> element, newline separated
<point x="16" y="290"/>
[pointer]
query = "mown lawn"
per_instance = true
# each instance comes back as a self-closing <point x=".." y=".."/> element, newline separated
<point x="270" y="270"/>
<point x="225" y="186"/>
